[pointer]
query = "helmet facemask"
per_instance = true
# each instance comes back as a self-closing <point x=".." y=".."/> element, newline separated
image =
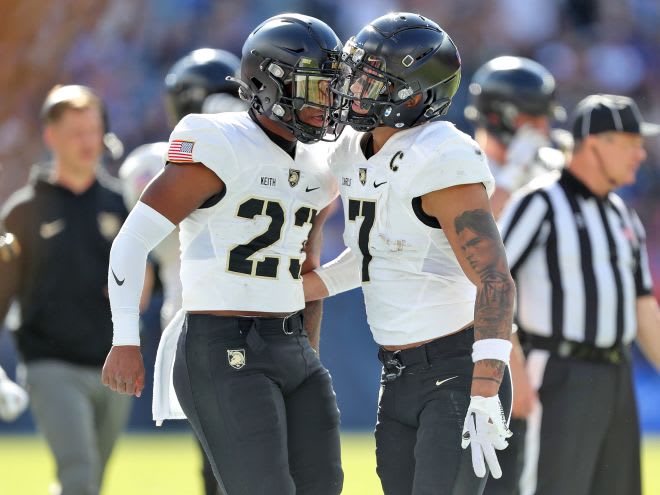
<point x="365" y="81"/>
<point x="305" y="91"/>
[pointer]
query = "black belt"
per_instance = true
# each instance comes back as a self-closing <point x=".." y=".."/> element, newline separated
<point x="394" y="362"/>
<point x="252" y="327"/>
<point x="288" y="325"/>
<point x="616" y="354"/>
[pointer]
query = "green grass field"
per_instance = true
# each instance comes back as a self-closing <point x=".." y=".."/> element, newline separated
<point x="162" y="464"/>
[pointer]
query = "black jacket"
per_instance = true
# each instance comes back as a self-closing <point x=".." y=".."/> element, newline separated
<point x="60" y="274"/>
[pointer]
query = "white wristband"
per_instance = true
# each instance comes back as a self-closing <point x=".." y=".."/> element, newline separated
<point x="499" y="349"/>
<point x="341" y="274"/>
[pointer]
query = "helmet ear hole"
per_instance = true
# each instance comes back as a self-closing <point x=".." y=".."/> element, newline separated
<point x="257" y="84"/>
<point x="414" y="101"/>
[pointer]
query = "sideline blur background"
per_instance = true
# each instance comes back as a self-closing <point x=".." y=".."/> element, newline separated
<point x="123" y="48"/>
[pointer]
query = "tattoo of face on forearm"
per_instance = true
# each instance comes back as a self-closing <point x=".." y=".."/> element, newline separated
<point x="483" y="250"/>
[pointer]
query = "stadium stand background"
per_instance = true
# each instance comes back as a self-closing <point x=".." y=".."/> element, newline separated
<point x="122" y="48"/>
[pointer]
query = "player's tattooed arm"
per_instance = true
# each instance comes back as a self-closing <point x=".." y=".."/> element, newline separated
<point x="482" y="248"/>
<point x="464" y="212"/>
<point x="313" y="311"/>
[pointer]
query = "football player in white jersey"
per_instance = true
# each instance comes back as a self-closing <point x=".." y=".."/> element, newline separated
<point x="196" y="83"/>
<point x="430" y="260"/>
<point x="512" y="104"/>
<point x="245" y="374"/>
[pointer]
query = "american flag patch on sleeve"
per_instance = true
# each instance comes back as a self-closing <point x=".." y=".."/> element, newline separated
<point x="180" y="151"/>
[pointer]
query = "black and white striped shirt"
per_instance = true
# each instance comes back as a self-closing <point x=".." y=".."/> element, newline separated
<point x="579" y="262"/>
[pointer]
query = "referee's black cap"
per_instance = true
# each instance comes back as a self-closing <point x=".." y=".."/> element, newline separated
<point x="609" y="113"/>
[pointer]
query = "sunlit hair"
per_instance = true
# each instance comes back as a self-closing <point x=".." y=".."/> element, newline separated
<point x="63" y="98"/>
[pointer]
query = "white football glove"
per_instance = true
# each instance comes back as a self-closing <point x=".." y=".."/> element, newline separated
<point x="485" y="429"/>
<point x="13" y="399"/>
<point x="520" y="158"/>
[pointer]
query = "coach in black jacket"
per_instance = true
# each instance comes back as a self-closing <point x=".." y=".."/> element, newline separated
<point x="578" y="256"/>
<point x="59" y="230"/>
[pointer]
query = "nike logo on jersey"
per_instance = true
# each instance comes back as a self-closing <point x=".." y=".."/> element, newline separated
<point x="440" y="382"/>
<point x="119" y="282"/>
<point x="51" y="229"/>
<point x="379" y="184"/>
<point x="308" y="189"/>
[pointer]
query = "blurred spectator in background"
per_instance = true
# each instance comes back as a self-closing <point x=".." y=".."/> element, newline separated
<point x="512" y="104"/>
<point x="60" y="228"/>
<point x="195" y="84"/>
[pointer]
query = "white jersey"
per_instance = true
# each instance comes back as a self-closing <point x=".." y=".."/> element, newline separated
<point x="413" y="285"/>
<point x="245" y="252"/>
<point x="139" y="168"/>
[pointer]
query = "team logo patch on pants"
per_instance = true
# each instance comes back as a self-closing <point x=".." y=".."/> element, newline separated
<point x="236" y="358"/>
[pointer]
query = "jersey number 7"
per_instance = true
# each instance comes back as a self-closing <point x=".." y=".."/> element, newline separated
<point x="367" y="210"/>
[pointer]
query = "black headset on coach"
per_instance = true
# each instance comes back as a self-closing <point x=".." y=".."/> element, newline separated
<point x="403" y="55"/>
<point x="280" y="58"/>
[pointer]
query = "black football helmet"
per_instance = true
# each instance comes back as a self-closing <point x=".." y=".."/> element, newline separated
<point x="195" y="77"/>
<point x="508" y="86"/>
<point x="289" y="62"/>
<point x="394" y="58"/>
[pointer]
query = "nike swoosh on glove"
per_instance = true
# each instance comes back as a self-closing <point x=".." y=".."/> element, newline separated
<point x="13" y="400"/>
<point x="485" y="430"/>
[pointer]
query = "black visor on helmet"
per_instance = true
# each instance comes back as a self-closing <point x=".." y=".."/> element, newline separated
<point x="307" y="86"/>
<point x="311" y="86"/>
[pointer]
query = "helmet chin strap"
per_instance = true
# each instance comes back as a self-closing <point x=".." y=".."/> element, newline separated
<point x="601" y="165"/>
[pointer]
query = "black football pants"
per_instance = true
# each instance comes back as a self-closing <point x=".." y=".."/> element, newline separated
<point x="584" y="439"/>
<point x="261" y="404"/>
<point x="420" y="420"/>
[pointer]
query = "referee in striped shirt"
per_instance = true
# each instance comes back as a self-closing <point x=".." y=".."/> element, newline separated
<point x="578" y="256"/>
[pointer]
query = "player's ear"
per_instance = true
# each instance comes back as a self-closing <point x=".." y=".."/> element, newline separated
<point x="414" y="101"/>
